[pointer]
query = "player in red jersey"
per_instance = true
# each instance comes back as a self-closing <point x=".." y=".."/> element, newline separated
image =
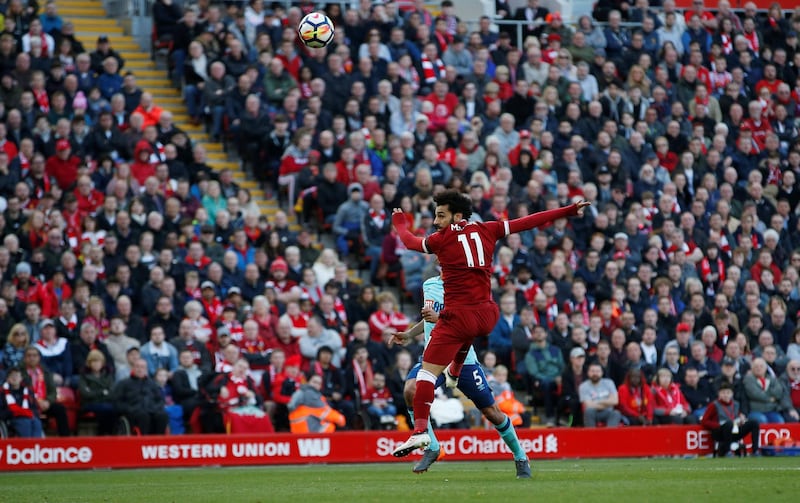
<point x="465" y="250"/>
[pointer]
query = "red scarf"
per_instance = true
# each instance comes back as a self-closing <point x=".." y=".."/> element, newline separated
<point x="42" y="100"/>
<point x="45" y="48"/>
<point x="752" y="41"/>
<point x="24" y="165"/>
<point x="432" y="70"/>
<point x="37" y="381"/>
<point x="378" y="218"/>
<point x="727" y="44"/>
<point x="23" y="410"/>
<point x="364" y="377"/>
<point x="340" y="309"/>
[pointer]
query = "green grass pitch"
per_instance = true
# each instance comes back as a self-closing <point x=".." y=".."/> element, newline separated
<point x="619" y="481"/>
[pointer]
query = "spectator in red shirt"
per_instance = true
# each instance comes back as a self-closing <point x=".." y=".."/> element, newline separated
<point x="756" y="124"/>
<point x="89" y="198"/>
<point x="635" y="399"/>
<point x="387" y="317"/>
<point x="63" y="166"/>
<point x="150" y="112"/>
<point x="30" y="290"/>
<point x="444" y="104"/>
<point x="141" y="167"/>
<point x="770" y="80"/>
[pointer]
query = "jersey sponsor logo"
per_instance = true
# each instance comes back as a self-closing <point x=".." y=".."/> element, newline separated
<point x="434" y="304"/>
<point x="314" y="447"/>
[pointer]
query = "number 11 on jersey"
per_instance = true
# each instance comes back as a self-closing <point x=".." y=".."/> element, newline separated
<point x="474" y="236"/>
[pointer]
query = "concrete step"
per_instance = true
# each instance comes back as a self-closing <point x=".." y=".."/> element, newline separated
<point x="147" y="73"/>
<point x="165" y="93"/>
<point x="122" y="47"/>
<point x="154" y="82"/>
<point x="68" y="12"/>
<point x="78" y="3"/>
<point x="91" y="21"/>
<point x="96" y="23"/>
<point x="170" y="102"/>
<point x="139" y="55"/>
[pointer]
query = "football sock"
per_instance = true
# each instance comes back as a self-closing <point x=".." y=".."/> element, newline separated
<point x="434" y="441"/>
<point x="509" y="435"/>
<point x="458" y="362"/>
<point x="422" y="405"/>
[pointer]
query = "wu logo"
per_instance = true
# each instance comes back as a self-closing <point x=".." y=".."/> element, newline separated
<point x="314" y="447"/>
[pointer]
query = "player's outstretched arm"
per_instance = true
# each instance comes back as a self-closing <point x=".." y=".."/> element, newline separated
<point x="403" y="338"/>
<point x="400" y="224"/>
<point x="543" y="217"/>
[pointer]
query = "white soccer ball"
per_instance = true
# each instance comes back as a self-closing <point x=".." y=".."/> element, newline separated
<point x="316" y="30"/>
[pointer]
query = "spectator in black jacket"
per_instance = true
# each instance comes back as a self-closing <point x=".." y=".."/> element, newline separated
<point x="187" y="381"/>
<point x="81" y="348"/>
<point x="166" y="15"/>
<point x="103" y="52"/>
<point x="185" y="32"/>
<point x="330" y="194"/>
<point x="139" y="399"/>
<point x="337" y="85"/>
<point x="253" y="129"/>
<point x="106" y="140"/>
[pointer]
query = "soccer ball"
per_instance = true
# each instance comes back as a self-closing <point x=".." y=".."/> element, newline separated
<point x="316" y="30"/>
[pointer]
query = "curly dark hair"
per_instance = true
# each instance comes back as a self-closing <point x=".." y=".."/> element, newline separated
<point x="455" y="201"/>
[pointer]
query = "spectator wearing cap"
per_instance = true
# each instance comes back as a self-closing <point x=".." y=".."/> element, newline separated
<point x="29" y="290"/>
<point x="682" y="341"/>
<point x="63" y="166"/>
<point x="102" y="52"/>
<point x="55" y="353"/>
<point x="286" y="289"/>
<point x="211" y="303"/>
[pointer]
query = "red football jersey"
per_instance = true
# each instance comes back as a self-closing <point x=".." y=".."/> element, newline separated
<point x="465" y="254"/>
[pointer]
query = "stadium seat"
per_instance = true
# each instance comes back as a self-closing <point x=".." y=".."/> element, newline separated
<point x="159" y="45"/>
<point x="67" y="397"/>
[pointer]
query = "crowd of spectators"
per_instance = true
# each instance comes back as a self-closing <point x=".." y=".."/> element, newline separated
<point x="137" y="275"/>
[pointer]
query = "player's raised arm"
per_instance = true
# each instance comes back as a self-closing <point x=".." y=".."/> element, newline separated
<point x="543" y="217"/>
<point x="400" y="224"/>
<point x="403" y="338"/>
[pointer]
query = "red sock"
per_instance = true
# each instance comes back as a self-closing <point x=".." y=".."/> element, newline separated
<point x="422" y="405"/>
<point x="458" y="362"/>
